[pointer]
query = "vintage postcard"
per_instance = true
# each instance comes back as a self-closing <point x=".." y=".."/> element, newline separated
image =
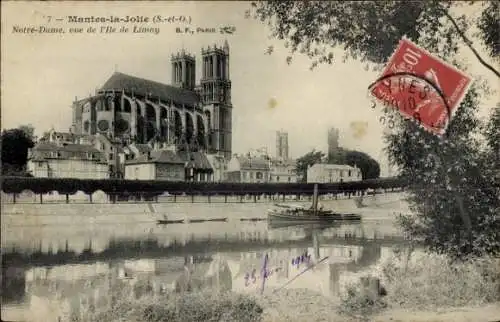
<point x="263" y="161"/>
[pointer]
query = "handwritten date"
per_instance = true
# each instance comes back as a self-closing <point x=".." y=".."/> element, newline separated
<point x="252" y="277"/>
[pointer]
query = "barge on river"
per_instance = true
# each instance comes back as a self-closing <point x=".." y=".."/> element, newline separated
<point x="295" y="213"/>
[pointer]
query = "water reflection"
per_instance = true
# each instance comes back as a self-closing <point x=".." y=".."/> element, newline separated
<point x="54" y="281"/>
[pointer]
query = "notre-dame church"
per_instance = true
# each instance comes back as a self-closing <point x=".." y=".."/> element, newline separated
<point x="191" y="116"/>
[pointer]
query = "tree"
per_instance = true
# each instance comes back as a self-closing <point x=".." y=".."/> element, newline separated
<point x="15" y="145"/>
<point x="451" y="187"/>
<point x="370" y="168"/>
<point x="489" y="27"/>
<point x="29" y="130"/>
<point x="452" y="191"/>
<point x="370" y="30"/>
<point x="306" y="161"/>
<point x="492" y="134"/>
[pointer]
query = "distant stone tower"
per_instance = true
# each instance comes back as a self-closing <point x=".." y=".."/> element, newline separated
<point x="333" y="141"/>
<point x="282" y="145"/>
<point x="216" y="97"/>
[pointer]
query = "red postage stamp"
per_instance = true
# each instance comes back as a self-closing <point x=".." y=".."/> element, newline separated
<point x="421" y="87"/>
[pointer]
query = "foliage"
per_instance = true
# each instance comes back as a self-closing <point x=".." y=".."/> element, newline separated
<point x="183" y="307"/>
<point x="427" y="281"/>
<point x="148" y="189"/>
<point x="14" y="170"/>
<point x="29" y="130"/>
<point x="367" y="30"/>
<point x="492" y="134"/>
<point x="357" y="302"/>
<point x="489" y="26"/>
<point x="306" y="161"/>
<point x="453" y="195"/>
<point x="370" y="168"/>
<point x="450" y="180"/>
<point x="15" y="145"/>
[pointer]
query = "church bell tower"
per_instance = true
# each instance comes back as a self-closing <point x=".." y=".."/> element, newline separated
<point x="216" y="97"/>
<point x="183" y="70"/>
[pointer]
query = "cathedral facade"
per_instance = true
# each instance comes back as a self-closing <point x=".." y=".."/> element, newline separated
<point x="191" y="116"/>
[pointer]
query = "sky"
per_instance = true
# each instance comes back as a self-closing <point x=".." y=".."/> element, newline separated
<point x="43" y="73"/>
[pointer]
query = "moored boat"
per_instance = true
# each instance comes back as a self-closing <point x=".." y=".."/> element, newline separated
<point x="277" y="224"/>
<point x="205" y="220"/>
<point x="164" y="221"/>
<point x="309" y="215"/>
<point x="294" y="213"/>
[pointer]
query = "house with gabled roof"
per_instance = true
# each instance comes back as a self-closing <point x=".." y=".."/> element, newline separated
<point x="283" y="171"/>
<point x="67" y="160"/>
<point x="332" y="173"/>
<point x="163" y="165"/>
<point x="108" y="146"/>
<point x="248" y="169"/>
<point x="158" y="156"/>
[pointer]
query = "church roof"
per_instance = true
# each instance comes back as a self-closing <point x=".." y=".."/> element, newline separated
<point x="64" y="136"/>
<point x="70" y="147"/>
<point x="163" y="156"/>
<point x="43" y="150"/>
<point x="200" y="160"/>
<point x="253" y="163"/>
<point x="143" y="148"/>
<point x="144" y="87"/>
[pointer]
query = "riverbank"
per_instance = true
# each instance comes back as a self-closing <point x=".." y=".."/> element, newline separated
<point x="427" y="287"/>
<point x="484" y="313"/>
<point x="35" y="213"/>
<point x="303" y="305"/>
<point x="418" y="288"/>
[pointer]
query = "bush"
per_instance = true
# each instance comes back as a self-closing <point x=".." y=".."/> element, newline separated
<point x="358" y="302"/>
<point x="425" y="281"/>
<point x="175" y="307"/>
<point x="195" y="307"/>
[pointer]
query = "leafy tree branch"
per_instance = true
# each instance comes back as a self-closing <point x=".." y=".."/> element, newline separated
<point x="369" y="30"/>
<point x="469" y="43"/>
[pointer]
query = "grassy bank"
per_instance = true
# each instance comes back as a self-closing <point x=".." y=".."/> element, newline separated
<point x="413" y="283"/>
<point x="426" y="282"/>
<point x="187" y="307"/>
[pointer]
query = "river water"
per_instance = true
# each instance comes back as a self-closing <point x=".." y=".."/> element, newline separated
<point x="54" y="263"/>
